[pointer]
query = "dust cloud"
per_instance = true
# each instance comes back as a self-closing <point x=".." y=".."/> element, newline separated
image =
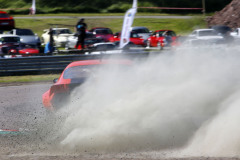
<point x="185" y="102"/>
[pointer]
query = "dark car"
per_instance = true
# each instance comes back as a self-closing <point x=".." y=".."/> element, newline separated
<point x="74" y="75"/>
<point x="102" y="32"/>
<point x="89" y="40"/>
<point x="6" y="21"/>
<point x="9" y="44"/>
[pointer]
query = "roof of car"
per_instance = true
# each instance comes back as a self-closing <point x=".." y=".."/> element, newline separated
<point x="99" y="28"/>
<point x="137" y="27"/>
<point x="163" y="30"/>
<point x="101" y="61"/>
<point x="206" y="29"/>
<point x="60" y="28"/>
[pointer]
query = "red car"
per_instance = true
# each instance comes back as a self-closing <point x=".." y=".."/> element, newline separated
<point x="102" y="32"/>
<point x="28" y="50"/>
<point x="6" y="21"/>
<point x="75" y="74"/>
<point x="159" y="38"/>
<point x="134" y="38"/>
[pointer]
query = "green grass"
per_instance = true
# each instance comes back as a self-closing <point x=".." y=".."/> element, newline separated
<point x="180" y="26"/>
<point x="29" y="78"/>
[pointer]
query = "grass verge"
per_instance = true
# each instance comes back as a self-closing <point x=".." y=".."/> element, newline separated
<point x="181" y="26"/>
<point x="29" y="78"/>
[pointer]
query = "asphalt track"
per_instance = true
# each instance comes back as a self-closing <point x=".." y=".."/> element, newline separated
<point x="21" y="109"/>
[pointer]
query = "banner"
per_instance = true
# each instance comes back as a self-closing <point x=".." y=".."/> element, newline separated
<point x="33" y="8"/>
<point x="127" y="24"/>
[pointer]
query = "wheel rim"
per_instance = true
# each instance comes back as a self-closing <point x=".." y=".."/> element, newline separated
<point x="148" y="44"/>
<point x="159" y="45"/>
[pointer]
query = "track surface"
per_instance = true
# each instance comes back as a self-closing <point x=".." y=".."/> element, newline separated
<point x="21" y="109"/>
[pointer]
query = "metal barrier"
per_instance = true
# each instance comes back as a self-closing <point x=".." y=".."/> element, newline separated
<point x="51" y="64"/>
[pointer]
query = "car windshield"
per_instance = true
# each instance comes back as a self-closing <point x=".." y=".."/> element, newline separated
<point x="78" y="72"/>
<point x="64" y="31"/>
<point x="141" y="30"/>
<point x="171" y="33"/>
<point x="24" y="32"/>
<point x="82" y="72"/>
<point x="134" y="35"/>
<point x="92" y="41"/>
<point x="90" y="35"/>
<point x="103" y="31"/>
<point x="28" y="46"/>
<point x="207" y="33"/>
<point x="10" y="39"/>
<point x="2" y="15"/>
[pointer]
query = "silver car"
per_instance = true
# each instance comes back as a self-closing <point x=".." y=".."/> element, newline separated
<point x="26" y="36"/>
<point x="143" y="32"/>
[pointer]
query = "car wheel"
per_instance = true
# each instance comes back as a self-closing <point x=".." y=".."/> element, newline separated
<point x="148" y="44"/>
<point x="159" y="46"/>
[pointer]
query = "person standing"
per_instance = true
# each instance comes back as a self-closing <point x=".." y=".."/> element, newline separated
<point x="81" y="32"/>
<point x="49" y="48"/>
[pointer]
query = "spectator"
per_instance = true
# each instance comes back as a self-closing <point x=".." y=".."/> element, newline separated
<point x="81" y="32"/>
<point x="49" y="48"/>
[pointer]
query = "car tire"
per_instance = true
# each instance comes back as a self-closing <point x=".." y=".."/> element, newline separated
<point x="148" y="44"/>
<point x="159" y="46"/>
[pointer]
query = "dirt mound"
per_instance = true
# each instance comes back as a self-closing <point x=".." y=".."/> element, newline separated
<point x="229" y="16"/>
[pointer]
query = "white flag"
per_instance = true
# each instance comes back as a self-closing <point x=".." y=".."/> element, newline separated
<point x="33" y="8"/>
<point x="127" y="24"/>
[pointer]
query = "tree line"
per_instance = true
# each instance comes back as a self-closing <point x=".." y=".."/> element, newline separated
<point x="111" y="6"/>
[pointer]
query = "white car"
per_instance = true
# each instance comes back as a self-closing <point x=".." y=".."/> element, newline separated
<point x="60" y="36"/>
<point x="204" y="37"/>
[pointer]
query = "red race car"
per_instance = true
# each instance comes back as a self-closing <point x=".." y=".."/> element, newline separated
<point x="161" y="38"/>
<point x="6" y="21"/>
<point x="75" y="74"/>
<point x="134" y="38"/>
<point x="102" y="32"/>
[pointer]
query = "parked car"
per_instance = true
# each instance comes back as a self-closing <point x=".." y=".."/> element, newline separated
<point x="89" y="40"/>
<point x="158" y="38"/>
<point x="75" y="74"/>
<point x="60" y="36"/>
<point x="6" y="21"/>
<point x="143" y="32"/>
<point x="134" y="38"/>
<point x="103" y="46"/>
<point x="221" y="29"/>
<point x="8" y="44"/>
<point x="28" y="50"/>
<point x="235" y="33"/>
<point x="26" y="36"/>
<point x="104" y="33"/>
<point x="204" y="37"/>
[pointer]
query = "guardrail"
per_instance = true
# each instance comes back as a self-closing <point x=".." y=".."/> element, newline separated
<point x="51" y="64"/>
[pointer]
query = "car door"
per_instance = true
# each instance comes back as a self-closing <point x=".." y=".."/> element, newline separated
<point x="154" y="38"/>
